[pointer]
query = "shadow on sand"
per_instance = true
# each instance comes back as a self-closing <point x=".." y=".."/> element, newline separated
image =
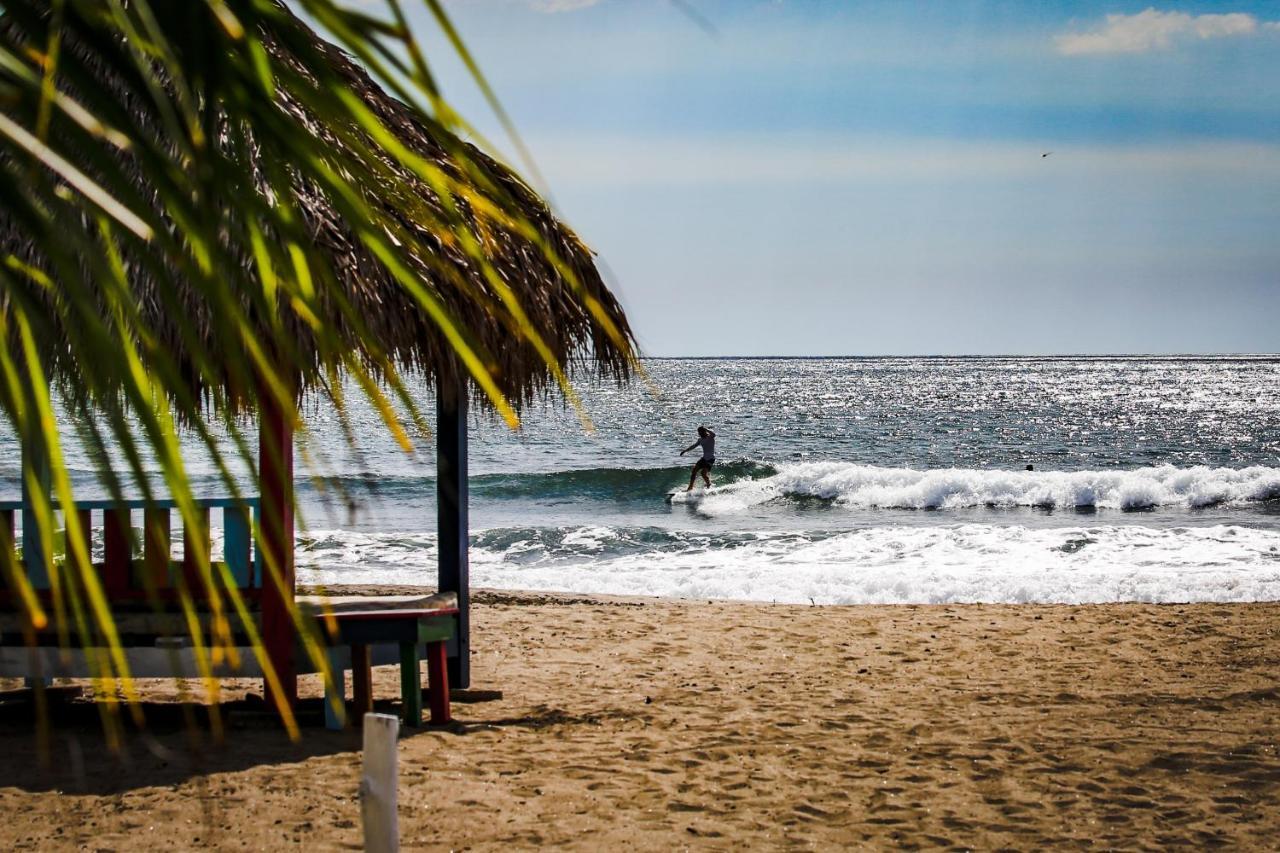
<point x="177" y="742"/>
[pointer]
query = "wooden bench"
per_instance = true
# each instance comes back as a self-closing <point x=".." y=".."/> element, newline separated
<point x="411" y="622"/>
<point x="143" y="591"/>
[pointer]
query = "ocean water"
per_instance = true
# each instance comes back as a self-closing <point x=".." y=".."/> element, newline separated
<point x="840" y="481"/>
<point x="866" y="480"/>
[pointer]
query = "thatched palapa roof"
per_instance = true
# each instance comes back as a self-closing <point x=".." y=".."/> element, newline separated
<point x="551" y="276"/>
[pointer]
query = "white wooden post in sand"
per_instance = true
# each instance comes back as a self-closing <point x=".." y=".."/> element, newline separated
<point x="378" y="784"/>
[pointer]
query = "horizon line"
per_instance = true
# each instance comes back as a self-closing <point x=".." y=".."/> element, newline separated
<point x="1082" y="355"/>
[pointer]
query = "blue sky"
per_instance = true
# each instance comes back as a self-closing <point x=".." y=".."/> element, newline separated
<point x="823" y="178"/>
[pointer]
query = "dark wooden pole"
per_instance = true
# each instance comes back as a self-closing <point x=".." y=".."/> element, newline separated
<point x="451" y="511"/>
<point x="275" y="461"/>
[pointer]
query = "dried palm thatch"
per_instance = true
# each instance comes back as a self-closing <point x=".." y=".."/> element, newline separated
<point x="348" y="235"/>
<point x="206" y="209"/>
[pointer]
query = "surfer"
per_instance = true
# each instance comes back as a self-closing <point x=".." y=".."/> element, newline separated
<point x="707" y="441"/>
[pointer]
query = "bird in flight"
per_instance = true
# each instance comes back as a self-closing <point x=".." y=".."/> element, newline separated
<point x="1045" y="154"/>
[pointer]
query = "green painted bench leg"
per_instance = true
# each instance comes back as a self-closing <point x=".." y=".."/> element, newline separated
<point x="410" y="684"/>
<point x="335" y="695"/>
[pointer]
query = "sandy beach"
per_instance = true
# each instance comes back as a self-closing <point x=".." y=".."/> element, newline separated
<point x="656" y="724"/>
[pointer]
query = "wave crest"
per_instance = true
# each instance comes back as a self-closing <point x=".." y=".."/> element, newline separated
<point x="871" y="487"/>
<point x="620" y="484"/>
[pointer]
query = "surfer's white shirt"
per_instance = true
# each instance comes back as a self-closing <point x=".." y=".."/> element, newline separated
<point x="708" y="445"/>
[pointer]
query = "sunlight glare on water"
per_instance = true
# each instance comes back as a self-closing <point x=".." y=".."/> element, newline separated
<point x="848" y="479"/>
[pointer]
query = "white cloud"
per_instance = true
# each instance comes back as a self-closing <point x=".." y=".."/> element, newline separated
<point x="553" y="6"/>
<point x="1153" y="29"/>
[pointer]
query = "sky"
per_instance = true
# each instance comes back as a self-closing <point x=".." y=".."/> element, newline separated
<point x="778" y="177"/>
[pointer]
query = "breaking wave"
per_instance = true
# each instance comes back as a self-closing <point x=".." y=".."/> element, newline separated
<point x="883" y="564"/>
<point x="744" y="484"/>
<point x="615" y="484"/>
<point x="869" y="486"/>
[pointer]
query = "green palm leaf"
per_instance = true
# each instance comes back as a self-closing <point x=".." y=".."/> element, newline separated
<point x="205" y="206"/>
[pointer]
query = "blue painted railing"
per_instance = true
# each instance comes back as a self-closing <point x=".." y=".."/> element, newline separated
<point x="121" y="572"/>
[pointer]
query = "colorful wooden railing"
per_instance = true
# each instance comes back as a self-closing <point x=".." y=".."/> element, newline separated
<point x="124" y="576"/>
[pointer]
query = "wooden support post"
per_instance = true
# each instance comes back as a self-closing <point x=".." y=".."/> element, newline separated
<point x="155" y="548"/>
<point x="410" y="685"/>
<point x="259" y="572"/>
<point x="361" y="680"/>
<point x="37" y="567"/>
<point x="85" y="517"/>
<point x="236" y="536"/>
<point x="195" y="542"/>
<point x="438" y="682"/>
<point x="378" y="784"/>
<point x="7" y="544"/>
<point x="451" y="511"/>
<point x="335" y="695"/>
<point x="117" y="550"/>
<point x="32" y="550"/>
<point x="275" y="461"/>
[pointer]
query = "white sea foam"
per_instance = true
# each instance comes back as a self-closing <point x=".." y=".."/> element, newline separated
<point x="868" y="486"/>
<point x="884" y="564"/>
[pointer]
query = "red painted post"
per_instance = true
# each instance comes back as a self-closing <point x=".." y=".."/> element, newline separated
<point x="438" y="682"/>
<point x="117" y="556"/>
<point x="275" y="465"/>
